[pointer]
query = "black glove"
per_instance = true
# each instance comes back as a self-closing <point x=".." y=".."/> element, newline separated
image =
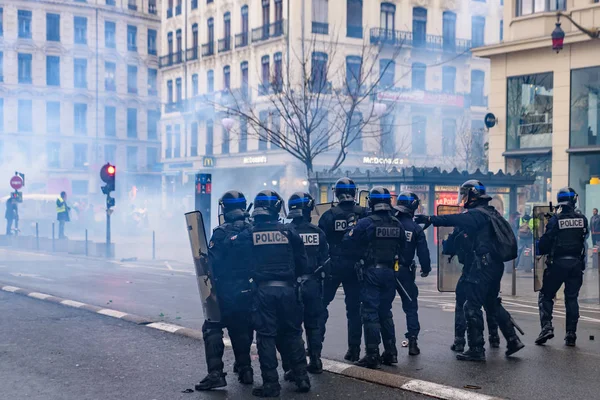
<point x="423" y="219"/>
<point x="425" y="272"/>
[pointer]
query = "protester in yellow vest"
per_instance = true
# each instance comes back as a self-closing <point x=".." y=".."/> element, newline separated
<point x="62" y="214"/>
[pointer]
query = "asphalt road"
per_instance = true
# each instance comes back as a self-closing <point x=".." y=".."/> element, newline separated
<point x="49" y="351"/>
<point x="168" y="292"/>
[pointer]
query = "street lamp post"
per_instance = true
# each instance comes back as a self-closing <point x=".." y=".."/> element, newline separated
<point x="558" y="35"/>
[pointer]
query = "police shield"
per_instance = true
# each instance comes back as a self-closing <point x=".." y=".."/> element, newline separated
<point x="541" y="215"/>
<point x="320" y="210"/>
<point x="204" y="276"/>
<point x="449" y="269"/>
<point x="363" y="198"/>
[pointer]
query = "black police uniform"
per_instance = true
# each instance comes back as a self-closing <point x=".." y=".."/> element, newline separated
<point x="564" y="242"/>
<point x="231" y="269"/>
<point x="483" y="274"/>
<point x="334" y="223"/>
<point x="459" y="244"/>
<point x="379" y="239"/>
<point x="416" y="242"/>
<point x="278" y="259"/>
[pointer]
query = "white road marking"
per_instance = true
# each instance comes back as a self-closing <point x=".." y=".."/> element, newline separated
<point x="41" y="296"/>
<point x="72" y="303"/>
<point x="335" y="366"/>
<point x="33" y="276"/>
<point x="112" y="313"/>
<point x="443" y="392"/>
<point x="11" y="289"/>
<point x="168" y="265"/>
<point x="165" y="327"/>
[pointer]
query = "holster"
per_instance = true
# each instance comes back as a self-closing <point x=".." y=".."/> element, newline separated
<point x="359" y="268"/>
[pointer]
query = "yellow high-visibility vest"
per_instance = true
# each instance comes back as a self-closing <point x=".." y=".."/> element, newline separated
<point x="60" y="206"/>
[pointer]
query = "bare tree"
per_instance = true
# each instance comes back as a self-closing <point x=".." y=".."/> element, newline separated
<point x="471" y="147"/>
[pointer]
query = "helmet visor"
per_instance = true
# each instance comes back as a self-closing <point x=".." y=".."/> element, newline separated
<point x="463" y="196"/>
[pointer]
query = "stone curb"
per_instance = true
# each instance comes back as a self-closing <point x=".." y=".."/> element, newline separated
<point x="377" y="377"/>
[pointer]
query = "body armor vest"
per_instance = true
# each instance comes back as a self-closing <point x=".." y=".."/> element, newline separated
<point x="273" y="254"/>
<point x="569" y="242"/>
<point x="311" y="238"/>
<point x="385" y="243"/>
<point x="340" y="224"/>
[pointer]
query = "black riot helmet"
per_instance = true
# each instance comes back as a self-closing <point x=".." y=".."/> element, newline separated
<point x="567" y="197"/>
<point x="268" y="202"/>
<point x="345" y="189"/>
<point x="380" y="199"/>
<point x="300" y="205"/>
<point x="471" y="193"/>
<point x="408" y="202"/>
<point x="233" y="204"/>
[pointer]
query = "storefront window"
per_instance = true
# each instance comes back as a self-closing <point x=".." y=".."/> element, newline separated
<point x="585" y="107"/>
<point x="541" y="190"/>
<point x="584" y="171"/>
<point x="529" y="111"/>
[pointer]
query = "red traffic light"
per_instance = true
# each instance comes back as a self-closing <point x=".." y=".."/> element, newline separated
<point x="108" y="174"/>
<point x="111" y="170"/>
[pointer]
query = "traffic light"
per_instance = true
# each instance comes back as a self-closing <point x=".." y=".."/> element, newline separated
<point x="110" y="201"/>
<point x="108" y="174"/>
<point x="18" y="196"/>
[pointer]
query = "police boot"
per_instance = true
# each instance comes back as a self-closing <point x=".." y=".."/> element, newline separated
<point x="289" y="376"/>
<point x="494" y="340"/>
<point x="246" y="375"/>
<point x="267" y="390"/>
<point x="353" y="354"/>
<point x="545" y="335"/>
<point x="315" y="365"/>
<point x="390" y="353"/>
<point x="303" y="385"/>
<point x="458" y="345"/>
<point x="473" y="354"/>
<point x="570" y="339"/>
<point x="513" y="345"/>
<point x="371" y="360"/>
<point x="213" y="380"/>
<point x="413" y="349"/>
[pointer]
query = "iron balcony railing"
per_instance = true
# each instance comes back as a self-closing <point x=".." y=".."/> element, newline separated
<point x="241" y="40"/>
<point x="266" y="32"/>
<point x="390" y="36"/>
<point x="418" y="40"/>
<point x="208" y="49"/>
<point x="224" y="44"/>
<point x="170" y="59"/>
<point x="192" y="54"/>
<point x="320" y="28"/>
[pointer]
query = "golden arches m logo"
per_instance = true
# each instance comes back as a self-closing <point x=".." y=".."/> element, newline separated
<point x="208" y="162"/>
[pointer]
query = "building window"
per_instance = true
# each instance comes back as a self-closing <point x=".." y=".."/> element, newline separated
<point x="226" y="78"/>
<point x="132" y="123"/>
<point x="354" y="11"/>
<point x="178" y="90"/>
<point x="177" y="137"/>
<point x="266" y="16"/>
<point x="152" y="79"/>
<point x="419" y="27"/>
<point x="152" y="6"/>
<point x="110" y="153"/>
<point x="244" y="70"/>
<point x="387" y="141"/>
<point x="243" y="37"/>
<point x="387" y="17"/>
<point x="225" y="141"/>
<point x="179" y="42"/>
<point x="355" y="134"/>
<point x="387" y="72"/>
<point x="80" y="24"/>
<point x="194" y="4"/>
<point x="53" y="154"/>
<point x="209" y="137"/>
<point x="448" y="79"/>
<point x="320" y="17"/>
<point x="170" y="91"/>
<point x="210" y="27"/>
<point x="1" y="23"/>
<point x="53" y="117"/>
<point x="227" y="29"/>
<point x="178" y="8"/>
<point x="195" y="40"/>
<point x="477" y="31"/>
<point x="110" y="122"/>
<point x="194" y="134"/>
<point x="419" y="73"/>
<point x="419" y="130"/>
<point x="1" y="66"/>
<point x="131" y="4"/>
<point x="265" y="74"/>
<point x="132" y="77"/>
<point x="449" y="31"/>
<point x="131" y="38"/>
<point x="152" y="41"/>
<point x="151" y="158"/>
<point x="132" y="158"/>
<point x="24" y="17"/>
<point x="110" y="29"/>
<point x="585" y="107"/>
<point x="1" y="121"/>
<point x="210" y="81"/>
<point x="263" y="141"/>
<point x="353" y="74"/>
<point x="582" y="168"/>
<point x="80" y="155"/>
<point x="477" y="83"/>
<point x="526" y="7"/>
<point x="52" y="70"/>
<point x="24" y="148"/>
<point x="448" y="137"/>
<point x="24" y="68"/>
<point x="170" y="42"/>
<point x="110" y="72"/>
<point x="111" y="2"/>
<point x="80" y="118"/>
<point x="243" y="145"/>
<point x="195" y="85"/>
<point x="169" y="144"/>
<point x="501" y="30"/>
<point x="53" y="27"/>
<point x="80" y="73"/>
<point x="153" y="118"/>
<point x="318" y="73"/>
<point x="278" y="72"/>
<point x="529" y="113"/>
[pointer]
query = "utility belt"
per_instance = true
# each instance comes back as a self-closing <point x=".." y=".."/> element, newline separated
<point x="275" y="284"/>
<point x="382" y="266"/>
<point x="411" y="267"/>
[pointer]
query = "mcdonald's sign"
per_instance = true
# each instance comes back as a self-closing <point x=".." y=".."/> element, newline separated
<point x="208" y="162"/>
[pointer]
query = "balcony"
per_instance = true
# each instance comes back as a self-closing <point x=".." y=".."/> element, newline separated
<point x="423" y="97"/>
<point x="266" y="32"/>
<point x="192" y="54"/>
<point x="320" y="28"/>
<point x="208" y="49"/>
<point x="439" y="43"/>
<point x="241" y="40"/>
<point x="390" y="37"/>
<point x="224" y="44"/>
<point x="170" y="59"/>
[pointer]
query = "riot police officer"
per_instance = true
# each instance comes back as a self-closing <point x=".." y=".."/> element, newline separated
<point x="564" y="242"/>
<point x="416" y="241"/>
<point x="334" y="223"/>
<point x="379" y="240"/>
<point x="278" y="259"/>
<point x="231" y="268"/>
<point x="300" y="206"/>
<point x="484" y="267"/>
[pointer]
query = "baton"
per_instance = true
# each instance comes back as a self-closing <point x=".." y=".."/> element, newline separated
<point x="403" y="290"/>
<point x="517" y="326"/>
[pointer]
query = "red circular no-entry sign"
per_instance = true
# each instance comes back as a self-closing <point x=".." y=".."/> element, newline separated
<point x="16" y="182"/>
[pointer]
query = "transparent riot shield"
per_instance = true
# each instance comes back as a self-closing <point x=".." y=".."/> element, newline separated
<point x="363" y="198"/>
<point x="204" y="276"/>
<point x="449" y="269"/>
<point x="320" y="210"/>
<point x="541" y="215"/>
